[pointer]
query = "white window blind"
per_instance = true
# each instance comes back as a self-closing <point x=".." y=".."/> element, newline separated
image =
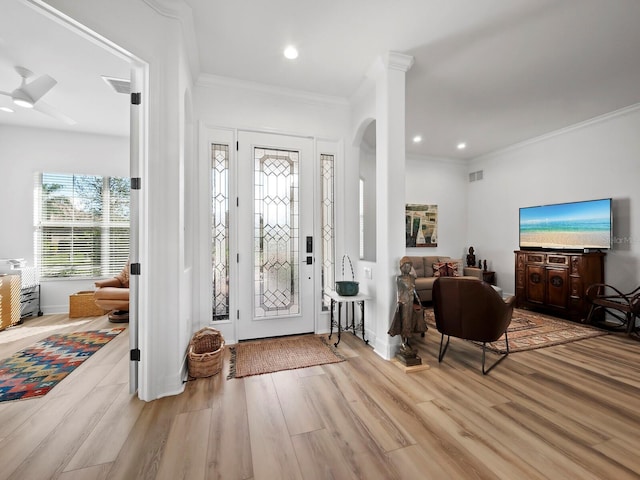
<point x="82" y="225"/>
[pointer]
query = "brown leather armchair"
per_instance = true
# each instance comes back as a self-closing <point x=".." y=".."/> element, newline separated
<point x="113" y="294"/>
<point x="470" y="309"/>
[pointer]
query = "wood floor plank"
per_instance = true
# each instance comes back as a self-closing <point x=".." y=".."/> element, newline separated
<point x="272" y="451"/>
<point x="593" y="415"/>
<point x="200" y="393"/>
<point x="98" y="472"/>
<point x="321" y="458"/>
<point x="143" y="449"/>
<point x="524" y="440"/>
<point x="229" y="454"/>
<point x="416" y="462"/>
<point x="186" y="451"/>
<point x="294" y="399"/>
<point x="621" y="452"/>
<point x="567" y="411"/>
<point x="601" y="387"/>
<point x="388" y="434"/>
<point x="23" y="440"/>
<point x="15" y="413"/>
<point x="568" y="445"/>
<point x="406" y="412"/>
<point x="355" y="442"/>
<point x="106" y="440"/>
<point x="119" y="372"/>
<point x="56" y="449"/>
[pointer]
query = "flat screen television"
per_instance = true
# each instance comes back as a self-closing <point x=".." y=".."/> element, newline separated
<point x="567" y="226"/>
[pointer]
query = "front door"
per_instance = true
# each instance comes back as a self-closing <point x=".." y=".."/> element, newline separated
<point x="275" y="235"/>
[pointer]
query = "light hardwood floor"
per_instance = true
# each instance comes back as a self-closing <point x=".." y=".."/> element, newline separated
<point x="570" y="411"/>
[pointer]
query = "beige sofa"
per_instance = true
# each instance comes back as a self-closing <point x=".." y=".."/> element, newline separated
<point x="423" y="267"/>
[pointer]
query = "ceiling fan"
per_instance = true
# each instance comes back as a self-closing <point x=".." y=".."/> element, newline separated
<point x="28" y="94"/>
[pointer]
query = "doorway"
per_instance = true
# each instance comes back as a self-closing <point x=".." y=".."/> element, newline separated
<point x="130" y="74"/>
<point x="275" y="216"/>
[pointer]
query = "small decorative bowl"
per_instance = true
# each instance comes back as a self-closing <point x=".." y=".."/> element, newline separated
<point x="347" y="288"/>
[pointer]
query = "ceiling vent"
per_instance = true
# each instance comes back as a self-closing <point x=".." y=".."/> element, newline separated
<point x="476" y="176"/>
<point x="120" y="85"/>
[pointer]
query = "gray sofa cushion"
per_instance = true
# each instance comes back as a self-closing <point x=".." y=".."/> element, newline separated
<point x="423" y="267"/>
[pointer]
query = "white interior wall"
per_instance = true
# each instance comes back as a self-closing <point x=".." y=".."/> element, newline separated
<point x="27" y="151"/>
<point x="598" y="159"/>
<point x="442" y="182"/>
<point x="225" y="103"/>
<point x="368" y="175"/>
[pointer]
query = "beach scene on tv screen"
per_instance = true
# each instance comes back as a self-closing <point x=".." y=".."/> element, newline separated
<point x="567" y="225"/>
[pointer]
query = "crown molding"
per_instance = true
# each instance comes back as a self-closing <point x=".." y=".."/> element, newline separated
<point x="419" y="157"/>
<point x="208" y="80"/>
<point x="179" y="10"/>
<point x="398" y="61"/>
<point x="389" y="61"/>
<point x="562" y="131"/>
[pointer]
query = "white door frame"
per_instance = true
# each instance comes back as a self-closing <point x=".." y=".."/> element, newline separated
<point x="138" y="162"/>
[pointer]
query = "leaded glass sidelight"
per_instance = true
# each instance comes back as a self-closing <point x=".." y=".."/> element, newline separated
<point x="327" y="218"/>
<point x="276" y="232"/>
<point x="220" y="230"/>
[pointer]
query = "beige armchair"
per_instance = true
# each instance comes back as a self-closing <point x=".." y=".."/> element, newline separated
<point x="113" y="294"/>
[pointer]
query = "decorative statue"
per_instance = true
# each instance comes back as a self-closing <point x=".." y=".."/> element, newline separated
<point x="471" y="258"/>
<point x="407" y="320"/>
<point x="484" y="265"/>
<point x="479" y="263"/>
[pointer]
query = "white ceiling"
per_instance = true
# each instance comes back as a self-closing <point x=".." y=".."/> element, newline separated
<point x="32" y="40"/>
<point x="489" y="72"/>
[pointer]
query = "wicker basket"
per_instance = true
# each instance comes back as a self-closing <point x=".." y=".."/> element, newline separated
<point x="82" y="304"/>
<point x="205" y="354"/>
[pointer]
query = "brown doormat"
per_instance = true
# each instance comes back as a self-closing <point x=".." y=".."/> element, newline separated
<point x="529" y="330"/>
<point x="274" y="355"/>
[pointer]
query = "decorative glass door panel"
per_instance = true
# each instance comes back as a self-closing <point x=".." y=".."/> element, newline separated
<point x="327" y="207"/>
<point x="275" y="185"/>
<point x="276" y="236"/>
<point x="220" y="230"/>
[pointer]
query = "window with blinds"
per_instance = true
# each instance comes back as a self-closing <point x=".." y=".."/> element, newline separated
<point x="81" y="224"/>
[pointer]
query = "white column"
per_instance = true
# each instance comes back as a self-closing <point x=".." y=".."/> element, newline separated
<point x="390" y="72"/>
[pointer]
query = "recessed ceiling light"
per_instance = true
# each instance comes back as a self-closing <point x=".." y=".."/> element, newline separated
<point x="291" y="52"/>
<point x="417" y="139"/>
<point x="462" y="146"/>
<point x="6" y="109"/>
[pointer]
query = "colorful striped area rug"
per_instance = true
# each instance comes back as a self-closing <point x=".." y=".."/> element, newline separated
<point x="34" y="371"/>
<point x="530" y="330"/>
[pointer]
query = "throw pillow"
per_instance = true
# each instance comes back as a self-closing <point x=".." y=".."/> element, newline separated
<point x="446" y="269"/>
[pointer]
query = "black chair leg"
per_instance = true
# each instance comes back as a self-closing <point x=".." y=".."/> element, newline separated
<point x="631" y="323"/>
<point x="442" y="352"/>
<point x="502" y="357"/>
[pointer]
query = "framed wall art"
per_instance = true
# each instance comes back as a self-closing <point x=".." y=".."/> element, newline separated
<point x="421" y="225"/>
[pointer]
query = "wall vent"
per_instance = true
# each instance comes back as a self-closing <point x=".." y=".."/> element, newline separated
<point x="476" y="176"/>
<point x="120" y="85"/>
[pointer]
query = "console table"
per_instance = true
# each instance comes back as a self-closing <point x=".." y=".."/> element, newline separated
<point x="353" y="299"/>
<point x="488" y="276"/>
<point x="557" y="282"/>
